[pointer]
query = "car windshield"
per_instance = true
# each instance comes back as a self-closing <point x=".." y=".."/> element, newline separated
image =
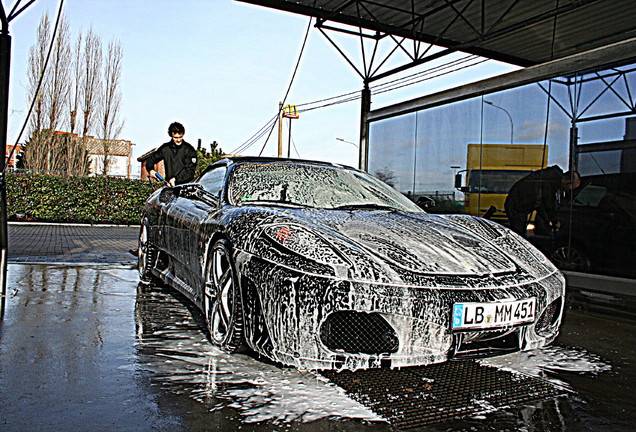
<point x="314" y="186"/>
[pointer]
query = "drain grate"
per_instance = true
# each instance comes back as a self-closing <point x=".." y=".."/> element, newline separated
<point x="417" y="396"/>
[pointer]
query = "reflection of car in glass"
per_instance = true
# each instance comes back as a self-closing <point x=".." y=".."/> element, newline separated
<point x="323" y="266"/>
<point x="597" y="234"/>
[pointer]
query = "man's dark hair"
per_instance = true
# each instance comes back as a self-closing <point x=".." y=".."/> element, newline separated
<point x="177" y="128"/>
<point x="571" y="179"/>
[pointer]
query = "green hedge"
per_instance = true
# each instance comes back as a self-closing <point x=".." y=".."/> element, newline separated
<point x="36" y="197"/>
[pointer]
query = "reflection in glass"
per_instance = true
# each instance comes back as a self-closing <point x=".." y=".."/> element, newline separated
<point x="583" y="119"/>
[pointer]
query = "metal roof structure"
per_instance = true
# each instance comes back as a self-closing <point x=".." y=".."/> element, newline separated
<point x="546" y="38"/>
<point x="520" y="32"/>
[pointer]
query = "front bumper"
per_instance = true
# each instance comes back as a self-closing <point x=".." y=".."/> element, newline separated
<point x="298" y="309"/>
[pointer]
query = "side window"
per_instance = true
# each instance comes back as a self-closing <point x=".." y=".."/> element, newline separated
<point x="590" y="196"/>
<point x="212" y="181"/>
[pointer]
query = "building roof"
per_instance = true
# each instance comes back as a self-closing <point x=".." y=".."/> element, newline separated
<point x="115" y="147"/>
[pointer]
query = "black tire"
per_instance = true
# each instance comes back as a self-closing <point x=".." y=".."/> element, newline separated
<point x="222" y="303"/>
<point x="146" y="257"/>
<point x="570" y="258"/>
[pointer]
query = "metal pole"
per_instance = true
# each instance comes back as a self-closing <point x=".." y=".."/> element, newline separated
<point x="280" y="129"/>
<point x="289" y="140"/>
<point x="5" y="60"/>
<point x="365" y="108"/>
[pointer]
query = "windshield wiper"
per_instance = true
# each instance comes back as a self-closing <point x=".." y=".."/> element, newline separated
<point x="365" y="206"/>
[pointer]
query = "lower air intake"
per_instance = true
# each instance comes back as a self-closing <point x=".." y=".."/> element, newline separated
<point x="358" y="333"/>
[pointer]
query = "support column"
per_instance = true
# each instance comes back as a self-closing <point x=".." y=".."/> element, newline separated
<point x="574" y="141"/>
<point x="365" y="108"/>
<point x="5" y="60"/>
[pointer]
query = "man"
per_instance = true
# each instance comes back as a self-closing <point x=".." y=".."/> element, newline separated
<point x="179" y="157"/>
<point x="538" y="191"/>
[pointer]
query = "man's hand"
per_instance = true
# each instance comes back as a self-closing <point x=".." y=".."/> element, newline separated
<point x="172" y="182"/>
<point x="152" y="173"/>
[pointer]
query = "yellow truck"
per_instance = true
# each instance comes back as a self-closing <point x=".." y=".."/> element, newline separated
<point x="491" y="170"/>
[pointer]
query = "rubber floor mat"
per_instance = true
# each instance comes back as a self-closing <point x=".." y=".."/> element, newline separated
<point x="417" y="396"/>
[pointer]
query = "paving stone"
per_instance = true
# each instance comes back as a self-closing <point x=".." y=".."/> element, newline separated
<point x="72" y="243"/>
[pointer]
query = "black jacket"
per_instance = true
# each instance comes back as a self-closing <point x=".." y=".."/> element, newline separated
<point x="537" y="191"/>
<point x="180" y="161"/>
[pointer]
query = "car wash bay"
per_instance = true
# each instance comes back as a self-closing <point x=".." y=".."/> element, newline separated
<point x="84" y="347"/>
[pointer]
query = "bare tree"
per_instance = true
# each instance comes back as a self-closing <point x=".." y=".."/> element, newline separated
<point x="59" y="78"/>
<point x="111" y="124"/>
<point x="36" y="153"/>
<point x="74" y="98"/>
<point x="91" y="80"/>
<point x="79" y="91"/>
<point x="386" y="175"/>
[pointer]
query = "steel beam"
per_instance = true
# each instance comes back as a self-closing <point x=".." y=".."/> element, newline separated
<point x="595" y="58"/>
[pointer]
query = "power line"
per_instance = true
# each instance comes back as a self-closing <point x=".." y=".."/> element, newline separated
<point x="416" y="78"/>
<point x="291" y="81"/>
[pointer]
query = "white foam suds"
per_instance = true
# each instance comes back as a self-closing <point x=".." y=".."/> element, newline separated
<point x="185" y="361"/>
<point x="551" y="359"/>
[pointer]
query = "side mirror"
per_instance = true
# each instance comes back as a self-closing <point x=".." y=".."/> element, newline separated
<point x="425" y="202"/>
<point x="194" y="191"/>
<point x="167" y="194"/>
<point x="190" y="191"/>
<point x="458" y="181"/>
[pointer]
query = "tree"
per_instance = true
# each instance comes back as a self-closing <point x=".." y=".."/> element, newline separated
<point x="204" y="159"/>
<point x="74" y="97"/>
<point x="46" y="150"/>
<point x="59" y="78"/>
<point x="37" y="58"/>
<point x="36" y="152"/>
<point x="90" y="93"/>
<point x="111" y="125"/>
<point x="80" y="90"/>
<point x="386" y="175"/>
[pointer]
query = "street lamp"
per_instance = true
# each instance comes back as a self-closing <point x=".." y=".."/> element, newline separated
<point x="348" y="142"/>
<point x="509" y="118"/>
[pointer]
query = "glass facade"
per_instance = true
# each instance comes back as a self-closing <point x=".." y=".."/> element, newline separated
<point x="467" y="154"/>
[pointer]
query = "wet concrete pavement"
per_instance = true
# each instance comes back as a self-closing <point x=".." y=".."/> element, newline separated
<point x="71" y="243"/>
<point x="84" y="347"/>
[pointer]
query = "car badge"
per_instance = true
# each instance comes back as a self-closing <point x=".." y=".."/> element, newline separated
<point x="283" y="235"/>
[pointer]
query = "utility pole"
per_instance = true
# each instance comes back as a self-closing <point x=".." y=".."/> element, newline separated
<point x="5" y="62"/>
<point x="280" y="129"/>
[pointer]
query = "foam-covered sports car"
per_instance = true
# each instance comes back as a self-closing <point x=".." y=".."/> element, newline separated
<point x="323" y="266"/>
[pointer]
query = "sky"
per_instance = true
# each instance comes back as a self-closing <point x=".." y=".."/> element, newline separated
<point x="221" y="67"/>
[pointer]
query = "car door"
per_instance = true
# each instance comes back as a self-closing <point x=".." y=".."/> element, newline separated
<point x="190" y="218"/>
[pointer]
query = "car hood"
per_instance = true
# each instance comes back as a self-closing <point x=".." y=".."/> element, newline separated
<point x="424" y="244"/>
<point x="415" y="242"/>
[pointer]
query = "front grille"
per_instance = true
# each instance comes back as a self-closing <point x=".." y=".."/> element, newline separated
<point x="358" y="333"/>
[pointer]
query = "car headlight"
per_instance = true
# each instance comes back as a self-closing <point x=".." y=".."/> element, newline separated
<point x="302" y="241"/>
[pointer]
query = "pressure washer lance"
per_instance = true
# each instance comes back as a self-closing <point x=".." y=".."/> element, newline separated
<point x="160" y="178"/>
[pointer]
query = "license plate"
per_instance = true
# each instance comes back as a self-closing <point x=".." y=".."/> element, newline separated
<point x="493" y="314"/>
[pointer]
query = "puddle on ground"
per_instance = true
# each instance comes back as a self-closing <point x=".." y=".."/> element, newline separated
<point x="172" y="346"/>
